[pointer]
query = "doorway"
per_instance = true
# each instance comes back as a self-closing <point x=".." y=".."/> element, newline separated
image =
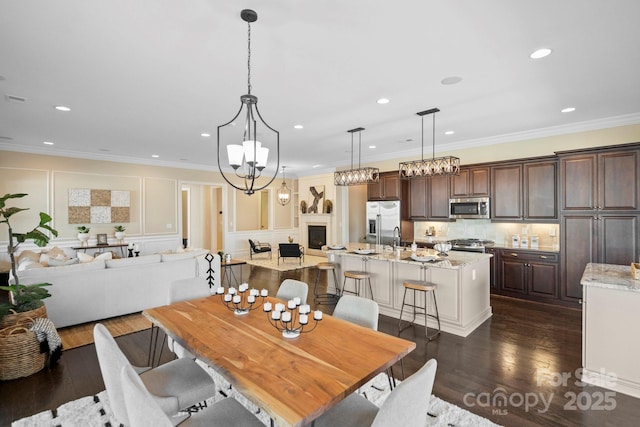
<point x="202" y="216"/>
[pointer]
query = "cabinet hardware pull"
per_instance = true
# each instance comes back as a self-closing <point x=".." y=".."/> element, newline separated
<point x="514" y="254"/>
<point x="543" y="257"/>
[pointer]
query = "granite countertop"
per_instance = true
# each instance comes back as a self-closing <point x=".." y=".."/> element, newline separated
<point x="540" y="248"/>
<point x="610" y="276"/>
<point x="453" y="260"/>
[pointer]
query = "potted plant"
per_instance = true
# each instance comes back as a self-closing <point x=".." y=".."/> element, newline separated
<point x="83" y="234"/>
<point x="119" y="232"/>
<point x="23" y="298"/>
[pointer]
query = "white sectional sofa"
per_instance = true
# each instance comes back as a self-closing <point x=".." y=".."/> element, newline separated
<point x="101" y="289"/>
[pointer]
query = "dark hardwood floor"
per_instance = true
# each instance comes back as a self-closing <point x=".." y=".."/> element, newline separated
<point x="515" y="355"/>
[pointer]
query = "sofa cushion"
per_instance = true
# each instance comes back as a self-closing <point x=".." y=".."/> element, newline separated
<point x="140" y="260"/>
<point x="37" y="275"/>
<point x="54" y="262"/>
<point x="28" y="264"/>
<point x="183" y="255"/>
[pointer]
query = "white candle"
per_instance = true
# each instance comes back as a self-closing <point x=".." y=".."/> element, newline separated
<point x="317" y="315"/>
<point x="264" y="293"/>
<point x="232" y="291"/>
<point x="254" y="292"/>
<point x="236" y="299"/>
<point x="305" y="309"/>
<point x="279" y="306"/>
<point x="244" y="287"/>
<point x="304" y="319"/>
<point x="251" y="299"/>
<point x="286" y="316"/>
<point x="275" y="315"/>
<point x="297" y="300"/>
<point x="227" y="297"/>
<point x="267" y="307"/>
<point x="291" y="304"/>
<point x="220" y="290"/>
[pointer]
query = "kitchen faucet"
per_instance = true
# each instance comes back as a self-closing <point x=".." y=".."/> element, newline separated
<point x="394" y="237"/>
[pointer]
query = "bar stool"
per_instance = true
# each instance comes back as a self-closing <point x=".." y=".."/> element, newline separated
<point x="358" y="277"/>
<point x="427" y="288"/>
<point x="326" y="298"/>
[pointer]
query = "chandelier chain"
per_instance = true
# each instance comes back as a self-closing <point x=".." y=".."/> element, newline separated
<point x="249" y="57"/>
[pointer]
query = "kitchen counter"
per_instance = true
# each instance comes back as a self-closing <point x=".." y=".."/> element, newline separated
<point x="425" y="243"/>
<point x="462" y="280"/>
<point x="610" y="310"/>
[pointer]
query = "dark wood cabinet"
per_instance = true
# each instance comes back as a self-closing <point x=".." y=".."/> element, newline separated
<point x="388" y="188"/>
<point x="525" y="191"/>
<point x="472" y="182"/>
<point x="429" y="198"/>
<point x="493" y="269"/>
<point x="530" y="274"/>
<point x="599" y="215"/>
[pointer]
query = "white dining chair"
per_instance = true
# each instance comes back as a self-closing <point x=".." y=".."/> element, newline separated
<point x="290" y="288"/>
<point x="407" y="405"/>
<point x="176" y="385"/>
<point x="358" y="310"/>
<point x="144" y="410"/>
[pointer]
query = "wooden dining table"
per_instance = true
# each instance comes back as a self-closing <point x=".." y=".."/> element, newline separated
<point x="293" y="380"/>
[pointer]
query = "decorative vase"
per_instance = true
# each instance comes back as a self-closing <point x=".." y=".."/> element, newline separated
<point x="83" y="237"/>
<point x="119" y="236"/>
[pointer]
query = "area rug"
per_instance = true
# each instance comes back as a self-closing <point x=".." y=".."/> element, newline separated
<point x="287" y="264"/>
<point x="79" y="335"/>
<point x="93" y="411"/>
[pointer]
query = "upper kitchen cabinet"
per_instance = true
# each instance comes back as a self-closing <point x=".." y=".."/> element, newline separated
<point x="525" y="191"/>
<point x="472" y="182"/>
<point x="388" y="188"/>
<point x="600" y="181"/>
<point x="429" y="198"/>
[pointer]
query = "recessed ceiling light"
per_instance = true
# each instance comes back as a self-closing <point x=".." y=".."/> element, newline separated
<point x="298" y="127"/>
<point x="451" y="80"/>
<point x="48" y="143"/>
<point x="540" y="53"/>
<point x="315" y="166"/>
<point x="449" y="132"/>
<point x="205" y="135"/>
<point x="568" y="110"/>
<point x="62" y="108"/>
<point x="103" y="149"/>
<point x="372" y="146"/>
<point x="383" y="101"/>
<point x="155" y="156"/>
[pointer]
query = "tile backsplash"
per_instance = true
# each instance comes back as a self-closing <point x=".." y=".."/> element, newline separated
<point x="501" y="233"/>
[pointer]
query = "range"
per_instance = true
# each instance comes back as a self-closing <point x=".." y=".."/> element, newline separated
<point x="470" y="245"/>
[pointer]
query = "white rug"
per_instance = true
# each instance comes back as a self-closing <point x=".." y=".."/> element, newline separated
<point x="94" y="411"/>
<point x="286" y="264"/>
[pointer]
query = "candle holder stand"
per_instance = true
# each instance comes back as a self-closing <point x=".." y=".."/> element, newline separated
<point x="242" y="300"/>
<point x="291" y="319"/>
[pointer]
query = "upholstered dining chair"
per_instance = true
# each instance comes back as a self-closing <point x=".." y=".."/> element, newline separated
<point x="144" y="410"/>
<point x="291" y="288"/>
<point x="259" y="248"/>
<point x="176" y="385"/>
<point x="407" y="405"/>
<point x="358" y="310"/>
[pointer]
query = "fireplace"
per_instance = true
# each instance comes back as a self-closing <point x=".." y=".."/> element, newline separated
<point x="316" y="236"/>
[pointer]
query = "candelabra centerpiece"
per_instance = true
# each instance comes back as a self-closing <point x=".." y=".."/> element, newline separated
<point x="242" y="300"/>
<point x="291" y="319"/>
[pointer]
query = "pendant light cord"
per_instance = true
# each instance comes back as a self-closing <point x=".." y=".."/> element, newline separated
<point x="434" y="136"/>
<point x="249" y="58"/>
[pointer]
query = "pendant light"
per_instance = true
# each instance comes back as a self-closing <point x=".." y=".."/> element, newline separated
<point x="249" y="158"/>
<point x="284" y="192"/>
<point x="360" y="175"/>
<point x="448" y="165"/>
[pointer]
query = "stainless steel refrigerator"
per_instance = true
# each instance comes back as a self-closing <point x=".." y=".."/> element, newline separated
<point x="382" y="219"/>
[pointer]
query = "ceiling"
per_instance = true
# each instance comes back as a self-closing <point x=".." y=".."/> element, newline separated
<point x="147" y="77"/>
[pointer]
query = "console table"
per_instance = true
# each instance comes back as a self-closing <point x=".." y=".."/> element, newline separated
<point x="114" y="245"/>
<point x="227" y="271"/>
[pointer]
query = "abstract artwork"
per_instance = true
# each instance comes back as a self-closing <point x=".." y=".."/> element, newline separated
<point x="87" y="206"/>
<point x="317" y="198"/>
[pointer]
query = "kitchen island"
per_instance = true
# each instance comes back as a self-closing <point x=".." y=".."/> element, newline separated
<point x="610" y="312"/>
<point x="462" y="279"/>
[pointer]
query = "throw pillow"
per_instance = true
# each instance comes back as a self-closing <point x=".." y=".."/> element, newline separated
<point x="55" y="262"/>
<point x="29" y="264"/>
<point x="82" y="257"/>
<point x="27" y="254"/>
<point x="105" y="256"/>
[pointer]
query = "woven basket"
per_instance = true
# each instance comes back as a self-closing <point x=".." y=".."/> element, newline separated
<point x="20" y="351"/>
<point x="16" y="318"/>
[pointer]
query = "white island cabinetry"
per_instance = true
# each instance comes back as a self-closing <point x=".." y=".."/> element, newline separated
<point x="462" y="279"/>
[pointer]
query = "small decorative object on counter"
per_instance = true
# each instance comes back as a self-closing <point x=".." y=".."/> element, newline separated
<point x="290" y="239"/>
<point x="227" y="257"/>
<point x="414" y="247"/>
<point x="515" y="241"/>
<point x="635" y="270"/>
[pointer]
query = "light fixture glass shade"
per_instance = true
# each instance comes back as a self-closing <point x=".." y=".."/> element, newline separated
<point x="235" y="153"/>
<point x="447" y="165"/>
<point x="284" y="192"/>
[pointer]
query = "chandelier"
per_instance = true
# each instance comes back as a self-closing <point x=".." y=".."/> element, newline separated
<point x="360" y="175"/>
<point x="448" y="165"/>
<point x="284" y="192"/>
<point x="249" y="159"/>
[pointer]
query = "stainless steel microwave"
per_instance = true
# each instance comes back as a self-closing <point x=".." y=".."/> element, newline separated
<point x="469" y="208"/>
